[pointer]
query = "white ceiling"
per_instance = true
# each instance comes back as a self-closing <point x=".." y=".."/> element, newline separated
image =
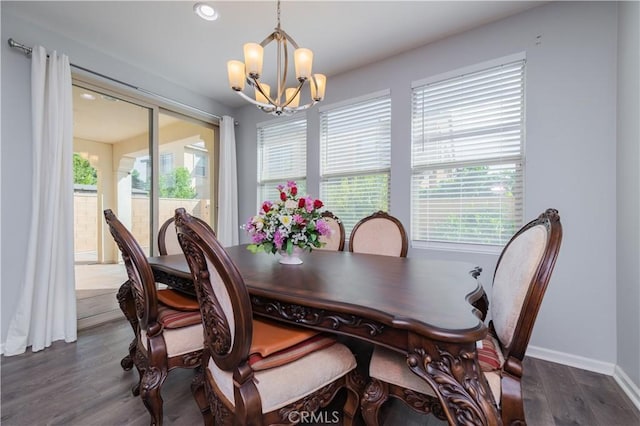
<point x="167" y="39"/>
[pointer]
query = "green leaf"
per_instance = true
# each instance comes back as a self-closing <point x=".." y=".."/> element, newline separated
<point x="253" y="248"/>
<point x="289" y="246"/>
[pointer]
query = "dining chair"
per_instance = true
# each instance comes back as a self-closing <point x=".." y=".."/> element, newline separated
<point x="167" y="238"/>
<point x="166" y="337"/>
<point x="255" y="371"/>
<point x="167" y="244"/>
<point x="379" y="233"/>
<point x="519" y="283"/>
<point x="335" y="241"/>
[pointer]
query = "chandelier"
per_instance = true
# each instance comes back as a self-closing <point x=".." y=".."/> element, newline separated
<point x="285" y="100"/>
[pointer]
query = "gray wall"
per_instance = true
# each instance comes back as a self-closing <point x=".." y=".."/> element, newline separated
<point x="16" y="135"/>
<point x="570" y="154"/>
<point x="628" y="199"/>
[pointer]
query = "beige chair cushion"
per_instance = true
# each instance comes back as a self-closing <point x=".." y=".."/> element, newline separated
<point x="391" y="367"/>
<point x="512" y="278"/>
<point x="180" y="341"/>
<point x="171" y="240"/>
<point x="494" y="380"/>
<point x="332" y="242"/>
<point x="283" y="385"/>
<point x="378" y="236"/>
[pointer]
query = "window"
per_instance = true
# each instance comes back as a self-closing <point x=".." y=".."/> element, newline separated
<point x="166" y="163"/>
<point x="282" y="156"/>
<point x="200" y="160"/>
<point x="467" y="158"/>
<point x="355" y="158"/>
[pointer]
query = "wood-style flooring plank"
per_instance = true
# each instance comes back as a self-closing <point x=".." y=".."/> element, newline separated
<point x="568" y="405"/>
<point x="536" y="406"/>
<point x="609" y="405"/>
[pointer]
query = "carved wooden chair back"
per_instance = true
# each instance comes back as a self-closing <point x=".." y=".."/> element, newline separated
<point x="230" y="390"/>
<point x="167" y="238"/>
<point x="164" y="338"/>
<point x="336" y="240"/>
<point x="520" y="281"/>
<point x="138" y="270"/>
<point x="379" y="233"/>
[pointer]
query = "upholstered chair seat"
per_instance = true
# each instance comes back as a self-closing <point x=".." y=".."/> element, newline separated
<point x="281" y="386"/>
<point x="519" y="283"/>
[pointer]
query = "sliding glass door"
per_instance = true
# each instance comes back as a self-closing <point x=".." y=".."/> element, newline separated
<point x="186" y="167"/>
<point x="142" y="162"/>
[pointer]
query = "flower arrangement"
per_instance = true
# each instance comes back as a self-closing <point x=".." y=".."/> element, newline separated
<point x="290" y="222"/>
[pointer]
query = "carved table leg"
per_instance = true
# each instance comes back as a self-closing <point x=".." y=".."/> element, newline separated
<point x="375" y="395"/>
<point x="453" y="373"/>
<point x="127" y="306"/>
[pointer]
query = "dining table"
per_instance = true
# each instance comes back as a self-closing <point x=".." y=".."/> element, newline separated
<point x="429" y="310"/>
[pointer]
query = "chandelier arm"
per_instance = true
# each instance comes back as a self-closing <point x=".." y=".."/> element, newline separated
<point x="256" y="103"/>
<point x="289" y="110"/>
<point x="269" y="38"/>
<point x="291" y="40"/>
<point x="282" y="73"/>
<point x="255" y="83"/>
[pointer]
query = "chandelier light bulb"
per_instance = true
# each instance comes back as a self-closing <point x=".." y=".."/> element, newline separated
<point x="318" y="85"/>
<point x="253" y="54"/>
<point x="303" y="59"/>
<point x="235" y="71"/>
<point x="267" y="91"/>
<point x="289" y="93"/>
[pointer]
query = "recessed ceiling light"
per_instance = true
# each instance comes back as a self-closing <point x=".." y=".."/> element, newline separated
<point x="109" y="98"/>
<point x="88" y="96"/>
<point x="205" y="11"/>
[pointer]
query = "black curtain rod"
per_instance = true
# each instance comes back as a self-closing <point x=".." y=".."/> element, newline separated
<point x="28" y="50"/>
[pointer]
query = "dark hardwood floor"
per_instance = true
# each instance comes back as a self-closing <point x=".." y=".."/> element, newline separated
<point x="83" y="384"/>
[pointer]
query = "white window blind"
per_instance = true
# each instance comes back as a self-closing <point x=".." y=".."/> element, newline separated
<point x="467" y="157"/>
<point x="355" y="159"/>
<point x="282" y="156"/>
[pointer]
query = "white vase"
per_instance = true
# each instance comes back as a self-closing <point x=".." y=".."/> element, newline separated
<point x="290" y="259"/>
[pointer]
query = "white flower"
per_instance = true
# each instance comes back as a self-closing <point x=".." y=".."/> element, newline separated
<point x="286" y="220"/>
<point x="290" y="204"/>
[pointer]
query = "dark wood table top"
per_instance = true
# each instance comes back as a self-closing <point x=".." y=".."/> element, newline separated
<point x="428" y="297"/>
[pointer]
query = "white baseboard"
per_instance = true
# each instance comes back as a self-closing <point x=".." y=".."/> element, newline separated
<point x="627" y="385"/>
<point x="571" y="360"/>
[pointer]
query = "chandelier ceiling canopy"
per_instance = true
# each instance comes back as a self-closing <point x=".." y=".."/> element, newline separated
<point x="285" y="100"/>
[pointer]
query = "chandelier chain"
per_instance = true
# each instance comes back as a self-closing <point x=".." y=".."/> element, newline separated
<point x="278" y="13"/>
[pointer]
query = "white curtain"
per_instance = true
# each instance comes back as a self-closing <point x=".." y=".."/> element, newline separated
<point x="228" y="185"/>
<point x="47" y="307"/>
